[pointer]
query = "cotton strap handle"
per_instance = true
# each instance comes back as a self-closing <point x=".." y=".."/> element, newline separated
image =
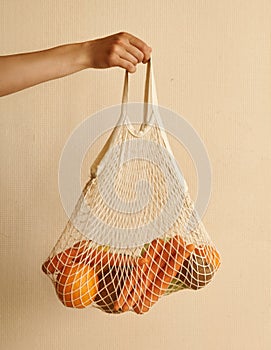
<point x="149" y="95"/>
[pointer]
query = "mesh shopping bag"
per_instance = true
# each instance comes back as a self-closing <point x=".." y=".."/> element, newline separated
<point x="134" y="235"/>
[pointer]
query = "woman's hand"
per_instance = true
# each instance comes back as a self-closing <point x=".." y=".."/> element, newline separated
<point x="119" y="50"/>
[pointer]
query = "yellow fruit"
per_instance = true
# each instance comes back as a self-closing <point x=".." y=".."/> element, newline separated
<point x="77" y="285"/>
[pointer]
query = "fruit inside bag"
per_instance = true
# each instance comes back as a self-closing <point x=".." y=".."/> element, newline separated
<point x="116" y="283"/>
<point x="134" y="235"/>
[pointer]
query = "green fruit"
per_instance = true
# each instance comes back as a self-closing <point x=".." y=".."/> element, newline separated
<point x="196" y="272"/>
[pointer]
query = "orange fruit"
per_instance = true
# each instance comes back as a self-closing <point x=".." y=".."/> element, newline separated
<point x="77" y="285"/>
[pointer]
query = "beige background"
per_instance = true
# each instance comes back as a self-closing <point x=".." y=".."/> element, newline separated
<point x="212" y="64"/>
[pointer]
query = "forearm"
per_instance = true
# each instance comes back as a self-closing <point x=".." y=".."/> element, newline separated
<point x="20" y="71"/>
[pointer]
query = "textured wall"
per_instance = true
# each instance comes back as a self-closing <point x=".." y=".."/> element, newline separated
<point x="212" y="65"/>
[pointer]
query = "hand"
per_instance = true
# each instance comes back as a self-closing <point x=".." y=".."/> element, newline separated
<point x="119" y="50"/>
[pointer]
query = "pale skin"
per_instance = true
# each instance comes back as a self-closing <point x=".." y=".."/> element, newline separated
<point x="21" y="71"/>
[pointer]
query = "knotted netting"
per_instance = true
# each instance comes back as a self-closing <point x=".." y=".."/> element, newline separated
<point x="134" y="235"/>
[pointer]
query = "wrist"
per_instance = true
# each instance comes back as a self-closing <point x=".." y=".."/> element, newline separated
<point x="86" y="54"/>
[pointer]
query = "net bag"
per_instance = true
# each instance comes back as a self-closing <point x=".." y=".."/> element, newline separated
<point x="134" y="235"/>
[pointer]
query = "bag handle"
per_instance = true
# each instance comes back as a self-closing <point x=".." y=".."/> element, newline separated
<point x="155" y="115"/>
<point x="149" y="94"/>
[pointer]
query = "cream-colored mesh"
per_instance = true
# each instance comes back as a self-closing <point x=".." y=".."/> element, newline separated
<point x="134" y="235"/>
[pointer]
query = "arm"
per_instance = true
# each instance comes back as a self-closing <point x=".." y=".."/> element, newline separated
<point x="21" y="71"/>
